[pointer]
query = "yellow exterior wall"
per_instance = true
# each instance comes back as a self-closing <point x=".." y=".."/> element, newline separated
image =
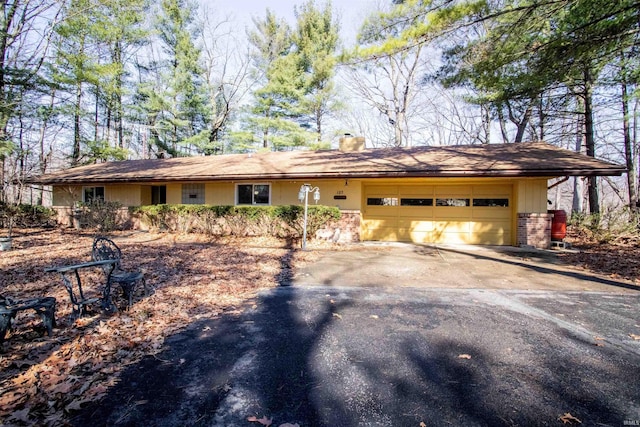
<point x="222" y="193"/>
<point x="127" y="194"/>
<point x="145" y="195"/>
<point x="174" y="194"/>
<point x="66" y="195"/>
<point x="532" y="195"/>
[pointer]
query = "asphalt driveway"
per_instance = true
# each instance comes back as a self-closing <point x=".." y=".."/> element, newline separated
<point x="324" y="353"/>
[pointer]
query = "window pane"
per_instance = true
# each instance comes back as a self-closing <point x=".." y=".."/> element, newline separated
<point x="382" y="201"/>
<point x="245" y="196"/>
<point x="99" y="193"/>
<point x="261" y="194"/>
<point x="92" y="194"/>
<point x="193" y="194"/>
<point x="158" y="194"/>
<point x="491" y="202"/>
<point x="416" y="202"/>
<point x="452" y="202"/>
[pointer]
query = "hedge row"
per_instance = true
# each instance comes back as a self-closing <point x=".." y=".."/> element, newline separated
<point x="281" y="221"/>
<point x="23" y="215"/>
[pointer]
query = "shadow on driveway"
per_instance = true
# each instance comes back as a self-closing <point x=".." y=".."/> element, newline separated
<point x="368" y="357"/>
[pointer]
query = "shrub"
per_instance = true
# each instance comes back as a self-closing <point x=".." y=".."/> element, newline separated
<point x="24" y="215"/>
<point x="280" y="221"/>
<point x="101" y="215"/>
<point x="608" y="226"/>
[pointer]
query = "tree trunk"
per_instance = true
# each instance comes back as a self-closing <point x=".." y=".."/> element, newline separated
<point x="576" y="205"/>
<point x="522" y="125"/>
<point x="117" y="59"/>
<point x="75" y="155"/>
<point x="594" y="202"/>
<point x="628" y="148"/>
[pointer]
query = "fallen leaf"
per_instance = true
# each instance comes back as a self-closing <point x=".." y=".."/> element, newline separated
<point x="464" y="356"/>
<point x="422" y="424"/>
<point x="374" y="316"/>
<point x="264" y="420"/>
<point x="634" y="336"/>
<point x="568" y="418"/>
<point x="337" y="315"/>
<point x="22" y="415"/>
<point x="76" y="405"/>
<point x="63" y="388"/>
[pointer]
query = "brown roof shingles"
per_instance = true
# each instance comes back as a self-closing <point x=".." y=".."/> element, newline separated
<point x="493" y="160"/>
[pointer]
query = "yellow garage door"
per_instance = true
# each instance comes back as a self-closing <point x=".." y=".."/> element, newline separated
<point x="471" y="214"/>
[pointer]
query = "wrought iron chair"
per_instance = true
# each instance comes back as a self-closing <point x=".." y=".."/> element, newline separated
<point x="104" y="249"/>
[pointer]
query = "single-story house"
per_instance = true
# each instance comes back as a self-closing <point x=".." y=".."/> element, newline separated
<point x="493" y="194"/>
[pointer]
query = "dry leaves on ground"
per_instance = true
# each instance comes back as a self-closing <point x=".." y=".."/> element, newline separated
<point x="618" y="259"/>
<point x="45" y="379"/>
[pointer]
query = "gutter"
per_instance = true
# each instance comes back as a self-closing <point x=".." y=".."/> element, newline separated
<point x="555" y="184"/>
<point x="514" y="173"/>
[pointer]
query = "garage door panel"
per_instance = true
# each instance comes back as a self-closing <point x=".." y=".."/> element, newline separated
<point x="489" y="238"/>
<point x="486" y="226"/>
<point x="491" y="213"/>
<point x="446" y="212"/>
<point x="452" y="226"/>
<point x="416" y="225"/>
<point x="452" y="238"/>
<point x="416" y="211"/>
<point x="421" y="236"/>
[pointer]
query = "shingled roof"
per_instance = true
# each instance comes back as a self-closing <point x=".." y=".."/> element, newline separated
<point x="492" y="160"/>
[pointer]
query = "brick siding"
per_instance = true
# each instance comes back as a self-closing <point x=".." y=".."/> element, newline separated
<point x="534" y="229"/>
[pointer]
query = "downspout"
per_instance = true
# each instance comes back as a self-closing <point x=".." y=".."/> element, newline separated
<point x="555" y="184"/>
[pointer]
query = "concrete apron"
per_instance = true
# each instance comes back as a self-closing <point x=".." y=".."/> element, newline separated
<point x="388" y="265"/>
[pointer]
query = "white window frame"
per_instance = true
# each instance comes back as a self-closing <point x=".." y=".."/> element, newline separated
<point x="252" y="199"/>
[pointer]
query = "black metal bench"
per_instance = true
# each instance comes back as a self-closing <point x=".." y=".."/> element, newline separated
<point x="106" y="249"/>
<point x="9" y="308"/>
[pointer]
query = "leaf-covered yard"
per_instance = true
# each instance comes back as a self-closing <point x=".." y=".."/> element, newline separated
<point x="43" y="380"/>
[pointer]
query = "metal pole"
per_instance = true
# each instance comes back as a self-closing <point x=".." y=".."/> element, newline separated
<point x="306" y="204"/>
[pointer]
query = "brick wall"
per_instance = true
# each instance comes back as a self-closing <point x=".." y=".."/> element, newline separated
<point x="346" y="229"/>
<point x="534" y="229"/>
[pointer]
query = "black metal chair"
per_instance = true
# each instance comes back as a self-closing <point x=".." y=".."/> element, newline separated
<point x="9" y="308"/>
<point x="104" y="249"/>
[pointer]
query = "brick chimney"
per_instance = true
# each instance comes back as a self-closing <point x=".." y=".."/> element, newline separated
<point x="351" y="143"/>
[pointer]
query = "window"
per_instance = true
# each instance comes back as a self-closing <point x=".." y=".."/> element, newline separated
<point x="502" y="203"/>
<point x="382" y="201"/>
<point x="452" y="202"/>
<point x="193" y="194"/>
<point x="92" y="194"/>
<point x="253" y="194"/>
<point x="158" y="194"/>
<point x="416" y="202"/>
